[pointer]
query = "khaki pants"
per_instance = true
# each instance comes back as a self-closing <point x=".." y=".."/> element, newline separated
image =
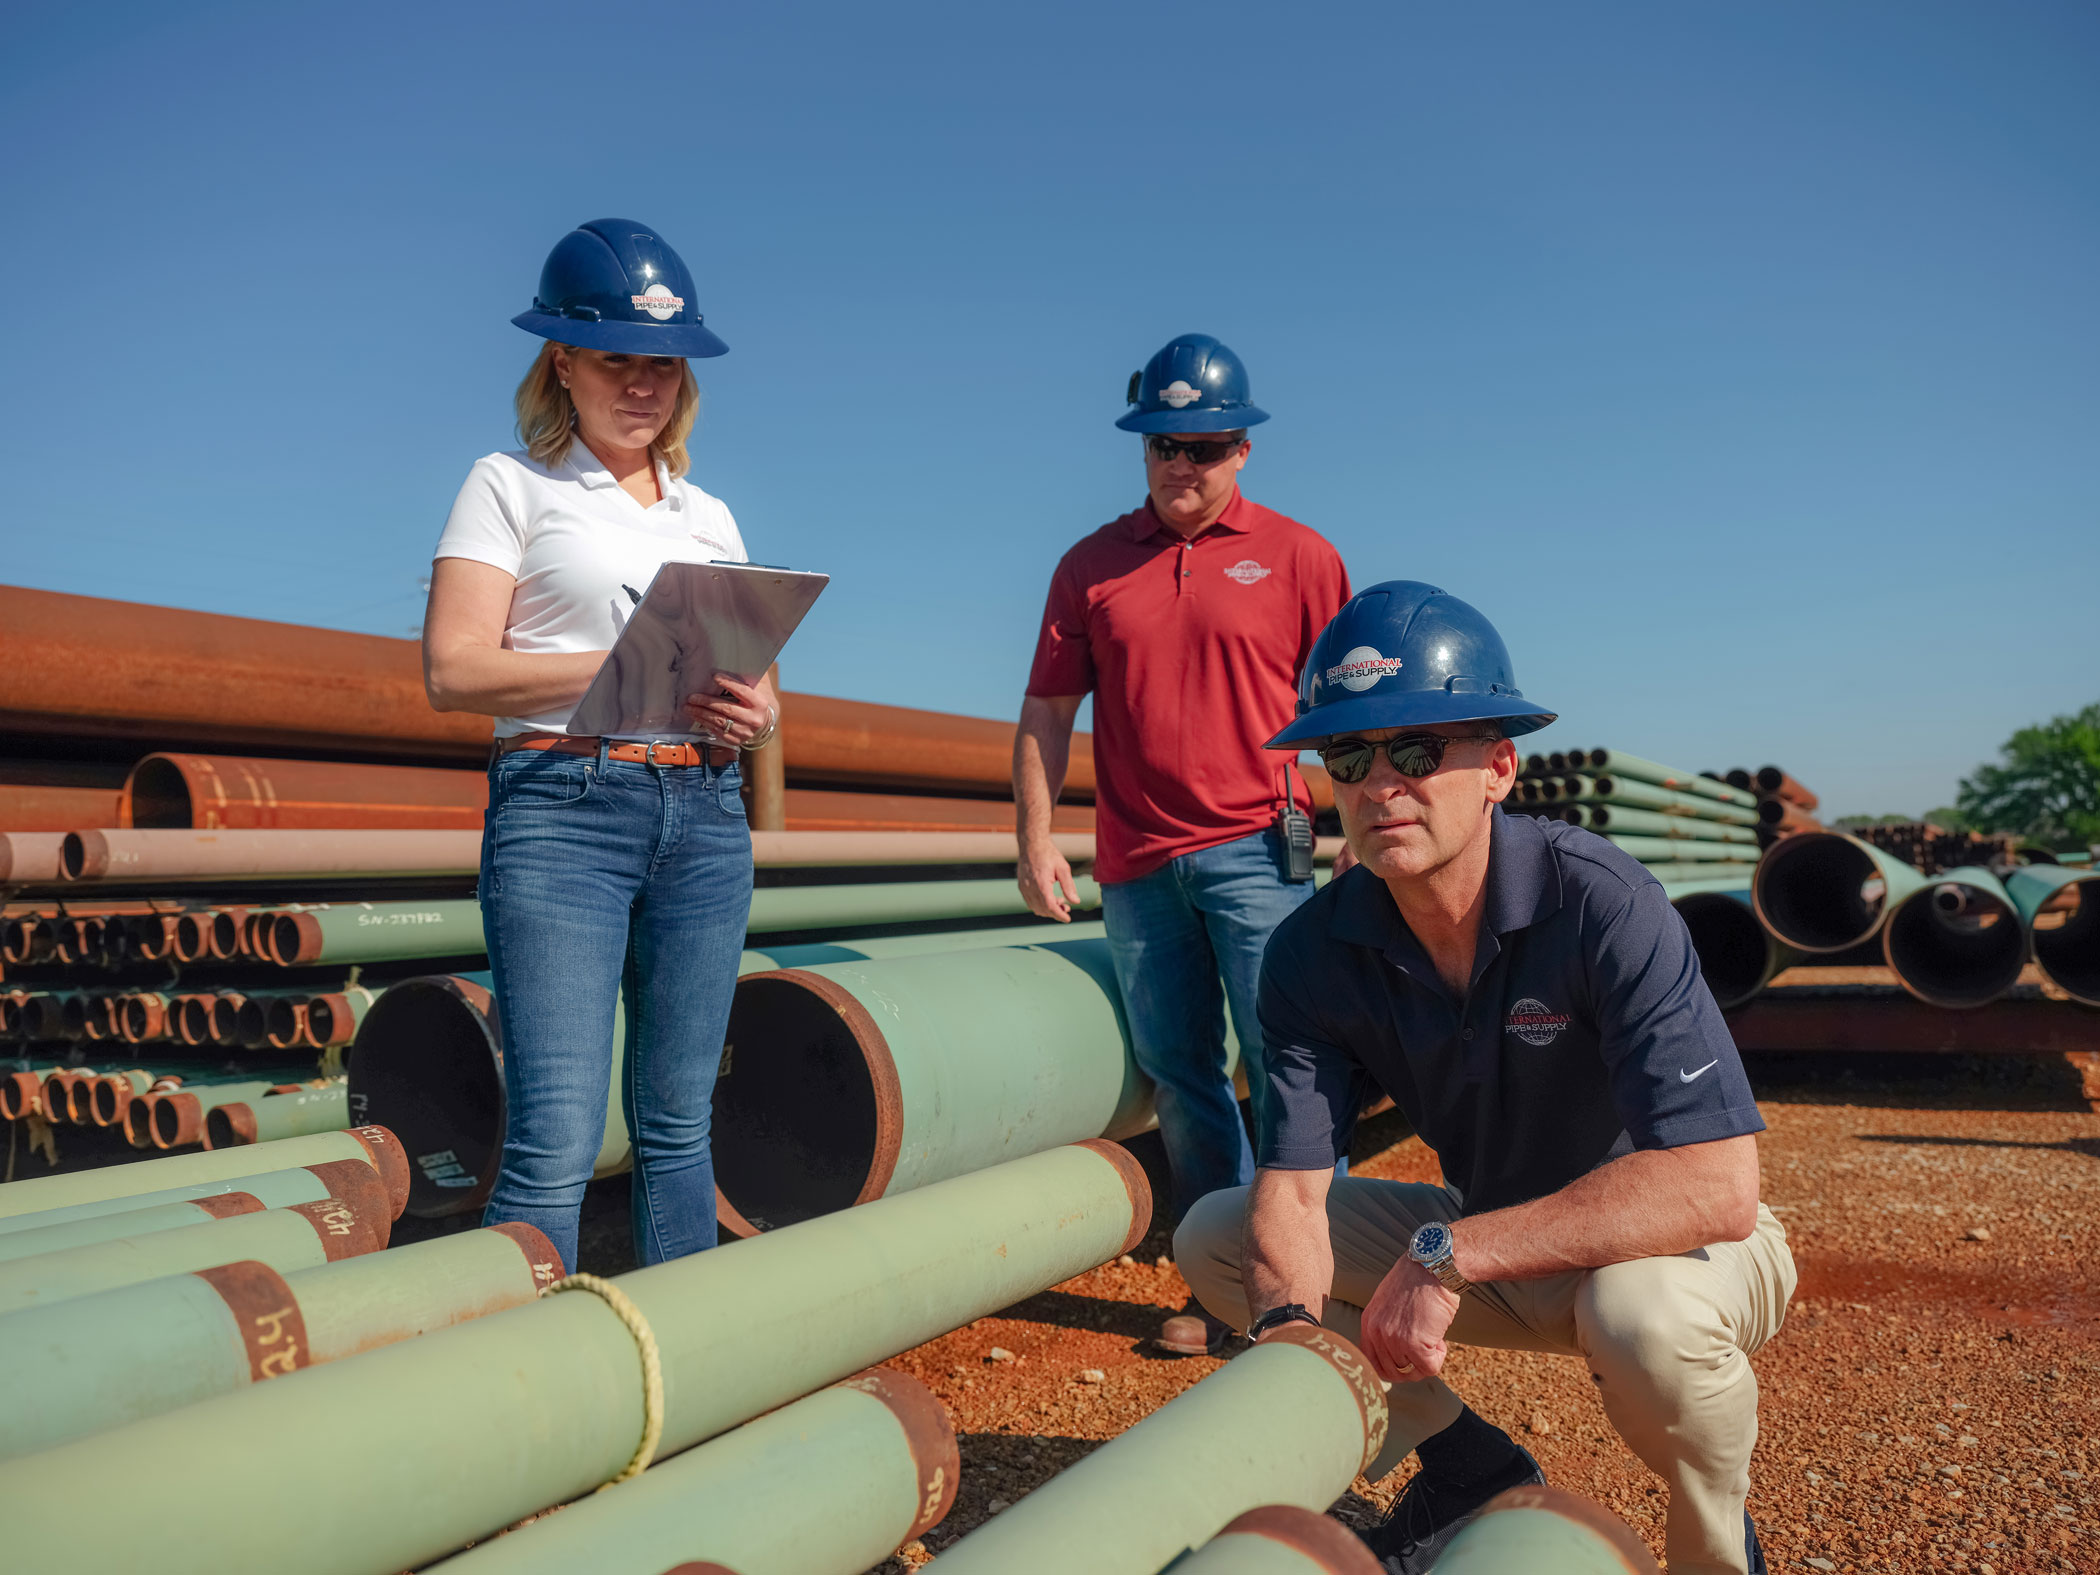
<point x="1668" y="1341"/>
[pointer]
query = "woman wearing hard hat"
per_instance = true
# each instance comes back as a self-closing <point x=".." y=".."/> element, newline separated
<point x="611" y="868"/>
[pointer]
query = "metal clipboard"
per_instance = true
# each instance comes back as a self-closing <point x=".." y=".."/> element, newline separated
<point x="694" y="620"/>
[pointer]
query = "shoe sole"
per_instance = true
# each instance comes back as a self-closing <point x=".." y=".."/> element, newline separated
<point x="1183" y="1350"/>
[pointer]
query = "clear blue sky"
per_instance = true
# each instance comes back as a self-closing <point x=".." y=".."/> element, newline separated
<point x="1742" y="361"/>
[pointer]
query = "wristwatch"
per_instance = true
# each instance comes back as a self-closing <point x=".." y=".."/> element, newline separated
<point x="1431" y="1248"/>
<point x="1276" y="1317"/>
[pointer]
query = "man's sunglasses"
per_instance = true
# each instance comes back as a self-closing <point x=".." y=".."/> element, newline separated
<point x="1204" y="453"/>
<point x="1411" y="754"/>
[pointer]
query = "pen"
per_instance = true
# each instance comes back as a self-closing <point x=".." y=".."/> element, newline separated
<point x="633" y="595"/>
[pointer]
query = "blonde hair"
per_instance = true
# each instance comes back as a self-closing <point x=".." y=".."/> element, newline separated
<point x="547" y="416"/>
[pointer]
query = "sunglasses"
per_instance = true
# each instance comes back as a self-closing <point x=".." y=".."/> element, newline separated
<point x="1410" y="754"/>
<point x="1204" y="453"/>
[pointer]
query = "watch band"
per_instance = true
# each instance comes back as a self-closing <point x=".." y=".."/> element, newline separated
<point x="1431" y="1248"/>
<point x="1276" y="1317"/>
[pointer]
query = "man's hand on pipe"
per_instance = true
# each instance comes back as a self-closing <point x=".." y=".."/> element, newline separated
<point x="736" y="715"/>
<point x="1405" y="1324"/>
<point x="1045" y="879"/>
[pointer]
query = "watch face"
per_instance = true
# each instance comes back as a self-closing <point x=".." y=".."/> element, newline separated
<point x="1431" y="1240"/>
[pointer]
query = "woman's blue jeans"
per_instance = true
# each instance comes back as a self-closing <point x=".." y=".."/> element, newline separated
<point x="1173" y="934"/>
<point x="602" y="880"/>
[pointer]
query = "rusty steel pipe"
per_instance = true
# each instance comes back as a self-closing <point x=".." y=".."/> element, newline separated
<point x="29" y="857"/>
<point x="177" y="1117"/>
<point x="143" y="1016"/>
<point x="1770" y="779"/>
<point x="826" y="809"/>
<point x="225" y="1018"/>
<point x="1282" y="1539"/>
<point x="191" y="1016"/>
<point x="226" y="793"/>
<point x="162" y="856"/>
<point x="34" y="807"/>
<point x="85" y="666"/>
<point x="855" y="744"/>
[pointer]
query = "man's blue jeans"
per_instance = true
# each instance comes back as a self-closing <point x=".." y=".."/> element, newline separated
<point x="602" y="879"/>
<point x="1173" y="933"/>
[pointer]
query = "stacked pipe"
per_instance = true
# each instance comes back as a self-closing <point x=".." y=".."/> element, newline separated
<point x="1684" y="826"/>
<point x="731" y="1336"/>
<point x="1931" y="849"/>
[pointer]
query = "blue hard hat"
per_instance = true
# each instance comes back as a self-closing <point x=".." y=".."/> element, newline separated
<point x="1194" y="385"/>
<point x="1405" y="654"/>
<point x="613" y="284"/>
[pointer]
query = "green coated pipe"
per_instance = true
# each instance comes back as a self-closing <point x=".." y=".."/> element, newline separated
<point x="879" y="1443"/>
<point x="1646" y="795"/>
<point x="292" y="1112"/>
<point x="335" y="1178"/>
<point x="1617" y="819"/>
<point x="808" y="954"/>
<point x="546" y="1400"/>
<point x="177" y="1116"/>
<point x="1674" y="850"/>
<point x="123" y="1355"/>
<point x="1737" y="955"/>
<point x="1822" y="891"/>
<point x="118" y="1227"/>
<point x="1708" y="876"/>
<point x="1539" y="1528"/>
<point x="1281" y="1539"/>
<point x="1291" y="1421"/>
<point x="1616" y="763"/>
<point x="303" y="1236"/>
<point x="2066" y="945"/>
<point x="861" y="1080"/>
<point x="892" y="902"/>
<point x="368" y="932"/>
<point x="374" y="1145"/>
<point x="1957" y="940"/>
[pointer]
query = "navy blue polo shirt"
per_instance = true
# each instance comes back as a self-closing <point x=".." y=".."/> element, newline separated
<point x="1587" y="1032"/>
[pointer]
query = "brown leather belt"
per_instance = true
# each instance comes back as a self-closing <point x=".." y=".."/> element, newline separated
<point x="650" y="754"/>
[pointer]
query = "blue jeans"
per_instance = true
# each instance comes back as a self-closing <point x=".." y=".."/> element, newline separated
<point x="602" y="879"/>
<point x="1172" y="934"/>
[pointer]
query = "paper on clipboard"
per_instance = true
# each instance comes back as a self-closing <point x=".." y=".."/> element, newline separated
<point x="694" y="620"/>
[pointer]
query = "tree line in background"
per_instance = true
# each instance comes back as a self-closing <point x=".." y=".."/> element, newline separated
<point x="2045" y="787"/>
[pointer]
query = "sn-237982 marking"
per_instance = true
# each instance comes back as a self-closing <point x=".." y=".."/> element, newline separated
<point x="400" y="918"/>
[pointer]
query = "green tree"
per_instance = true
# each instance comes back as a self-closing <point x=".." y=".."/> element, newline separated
<point x="2045" y="786"/>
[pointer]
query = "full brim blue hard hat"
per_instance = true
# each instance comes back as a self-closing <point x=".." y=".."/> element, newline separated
<point x="1406" y="654"/>
<point x="1194" y="384"/>
<point x="680" y="339"/>
<point x="615" y="285"/>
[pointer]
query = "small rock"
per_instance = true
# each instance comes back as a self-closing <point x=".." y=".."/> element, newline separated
<point x="1126" y="1262"/>
<point x="1870" y="1438"/>
<point x="1950" y="1471"/>
<point x="996" y="1505"/>
<point x="1968" y="1438"/>
<point x="958" y="1372"/>
<point x="1541" y="1423"/>
<point x="1163" y="1262"/>
<point x="1821" y="1564"/>
<point x="1092" y="1375"/>
<point x="998" y="1353"/>
<point x="1978" y="1233"/>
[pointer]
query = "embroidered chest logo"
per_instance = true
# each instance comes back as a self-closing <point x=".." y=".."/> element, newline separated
<point x="1247" y="571"/>
<point x="1534" y="1022"/>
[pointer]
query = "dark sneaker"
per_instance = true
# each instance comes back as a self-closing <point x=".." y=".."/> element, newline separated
<point x="1193" y="1332"/>
<point x="1425" y="1518"/>
<point x="1751" y="1551"/>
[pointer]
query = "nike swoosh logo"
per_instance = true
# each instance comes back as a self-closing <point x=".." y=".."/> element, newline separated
<point x="1689" y="1076"/>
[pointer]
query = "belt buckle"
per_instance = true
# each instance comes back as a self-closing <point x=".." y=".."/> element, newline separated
<point x="657" y="743"/>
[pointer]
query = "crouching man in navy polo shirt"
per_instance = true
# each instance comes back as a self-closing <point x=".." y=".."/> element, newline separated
<point x="1528" y="997"/>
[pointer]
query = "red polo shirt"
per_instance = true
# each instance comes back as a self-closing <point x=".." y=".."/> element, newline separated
<point x="1192" y="651"/>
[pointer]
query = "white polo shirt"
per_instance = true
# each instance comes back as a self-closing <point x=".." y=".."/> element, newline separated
<point x="572" y="537"/>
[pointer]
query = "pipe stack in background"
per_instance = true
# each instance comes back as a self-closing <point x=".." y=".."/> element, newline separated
<point x="1687" y="828"/>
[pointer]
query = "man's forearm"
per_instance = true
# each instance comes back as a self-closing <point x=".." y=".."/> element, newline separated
<point x="1287" y="1256"/>
<point x="1042" y="752"/>
<point x="1654" y="1203"/>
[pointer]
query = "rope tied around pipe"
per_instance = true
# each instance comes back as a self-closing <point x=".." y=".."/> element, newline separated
<point x="652" y="1367"/>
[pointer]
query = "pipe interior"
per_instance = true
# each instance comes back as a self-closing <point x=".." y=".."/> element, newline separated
<point x="1820" y="893"/>
<point x="159" y="795"/>
<point x="1963" y="958"/>
<point x="428" y="1068"/>
<point x="218" y="1128"/>
<point x="2067" y="945"/>
<point x="1735" y="957"/>
<point x="794" y="1116"/>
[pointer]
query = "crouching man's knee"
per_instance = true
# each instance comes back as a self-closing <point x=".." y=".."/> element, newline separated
<point x="1207" y="1250"/>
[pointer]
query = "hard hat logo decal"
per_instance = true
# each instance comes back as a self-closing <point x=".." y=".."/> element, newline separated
<point x="659" y="302"/>
<point x="1178" y="393"/>
<point x="1246" y="571"/>
<point x="1361" y="668"/>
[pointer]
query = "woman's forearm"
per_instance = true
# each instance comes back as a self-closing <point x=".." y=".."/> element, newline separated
<point x="490" y="681"/>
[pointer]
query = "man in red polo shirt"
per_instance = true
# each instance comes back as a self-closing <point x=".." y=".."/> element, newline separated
<point x="1188" y="621"/>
